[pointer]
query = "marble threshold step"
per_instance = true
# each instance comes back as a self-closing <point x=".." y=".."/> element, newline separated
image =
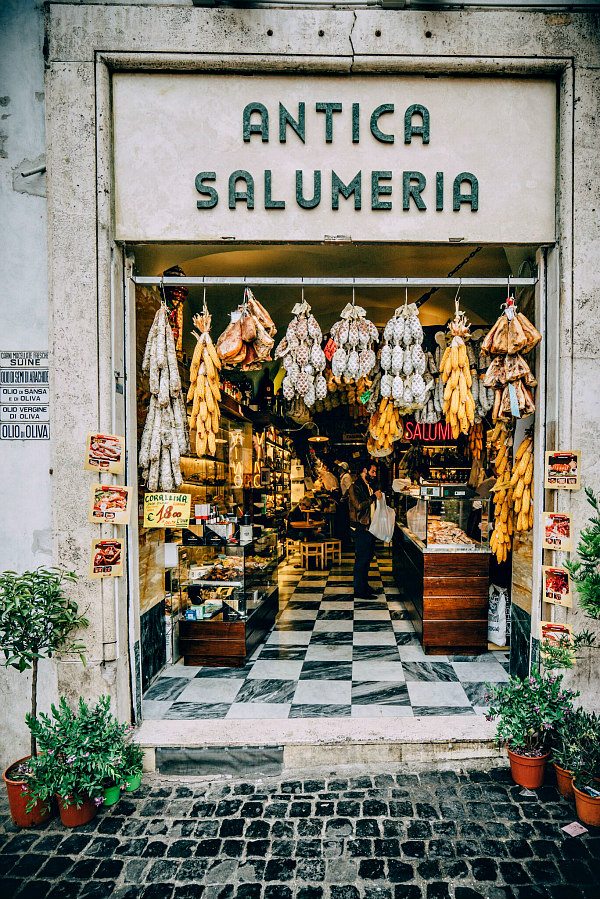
<point x="210" y="747"/>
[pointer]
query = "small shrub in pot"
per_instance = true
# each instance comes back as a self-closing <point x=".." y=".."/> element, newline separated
<point x="38" y="620"/>
<point x="529" y="711"/>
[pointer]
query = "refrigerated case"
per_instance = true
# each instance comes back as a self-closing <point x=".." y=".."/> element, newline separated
<point x="441" y="559"/>
<point x="229" y="599"/>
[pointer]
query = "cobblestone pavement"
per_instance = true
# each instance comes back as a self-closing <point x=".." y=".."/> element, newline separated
<point x="384" y="836"/>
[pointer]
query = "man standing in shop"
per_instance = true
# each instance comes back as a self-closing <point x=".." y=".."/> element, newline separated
<point x="362" y="495"/>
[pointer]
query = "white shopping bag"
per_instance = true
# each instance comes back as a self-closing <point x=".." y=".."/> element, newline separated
<point x="383" y="521"/>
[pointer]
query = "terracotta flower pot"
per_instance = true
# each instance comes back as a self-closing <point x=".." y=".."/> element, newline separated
<point x="71" y="816"/>
<point x="564" y="781"/>
<point x="528" y="771"/>
<point x="588" y="808"/>
<point x="18" y="800"/>
<point x="132" y="783"/>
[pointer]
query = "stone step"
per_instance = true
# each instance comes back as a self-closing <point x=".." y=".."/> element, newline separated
<point x="271" y="747"/>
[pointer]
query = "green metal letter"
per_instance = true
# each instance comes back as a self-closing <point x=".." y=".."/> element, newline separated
<point x="298" y="125"/>
<point x="270" y="203"/>
<point x="410" y="189"/>
<point x="205" y="189"/>
<point x="375" y="129"/>
<point x="316" y="197"/>
<point x="249" y="127"/>
<point x="346" y="190"/>
<point x="355" y="123"/>
<point x="439" y="191"/>
<point x="329" y="109"/>
<point x="247" y="196"/>
<point x="473" y="197"/>
<point x="410" y="129"/>
<point x="377" y="189"/>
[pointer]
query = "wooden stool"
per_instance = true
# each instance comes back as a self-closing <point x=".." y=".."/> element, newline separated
<point x="291" y="545"/>
<point x="333" y="551"/>
<point x="314" y="551"/>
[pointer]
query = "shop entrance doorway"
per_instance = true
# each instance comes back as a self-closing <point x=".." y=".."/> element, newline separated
<point x="328" y="654"/>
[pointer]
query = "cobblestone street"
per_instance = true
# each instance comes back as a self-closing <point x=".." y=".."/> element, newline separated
<point x="439" y="835"/>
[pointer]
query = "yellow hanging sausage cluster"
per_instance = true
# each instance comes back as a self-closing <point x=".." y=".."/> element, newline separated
<point x="522" y="486"/>
<point x="476" y="440"/>
<point x="204" y="392"/>
<point x="455" y="369"/>
<point x="385" y="426"/>
<point x="501" y="539"/>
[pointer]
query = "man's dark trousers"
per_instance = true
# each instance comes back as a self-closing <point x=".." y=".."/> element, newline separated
<point x="364" y="550"/>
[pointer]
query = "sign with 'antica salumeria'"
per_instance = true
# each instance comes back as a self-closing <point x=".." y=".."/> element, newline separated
<point x="368" y="158"/>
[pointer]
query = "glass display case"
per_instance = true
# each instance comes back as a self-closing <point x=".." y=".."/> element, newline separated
<point x="447" y="524"/>
<point x="229" y="599"/>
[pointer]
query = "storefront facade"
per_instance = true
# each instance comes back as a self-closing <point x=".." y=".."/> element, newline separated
<point x="115" y="171"/>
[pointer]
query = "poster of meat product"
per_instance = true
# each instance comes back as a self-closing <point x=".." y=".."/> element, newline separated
<point x="109" y="503"/>
<point x="558" y="531"/>
<point x="557" y="586"/>
<point x="105" y="452"/>
<point x="556" y="633"/>
<point x="563" y="470"/>
<point x="106" y="559"/>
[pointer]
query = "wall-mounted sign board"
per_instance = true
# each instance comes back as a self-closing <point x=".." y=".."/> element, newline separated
<point x="371" y="158"/>
<point x="24" y="395"/>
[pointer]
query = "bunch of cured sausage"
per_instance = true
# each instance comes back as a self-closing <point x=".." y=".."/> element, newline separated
<point x="165" y="435"/>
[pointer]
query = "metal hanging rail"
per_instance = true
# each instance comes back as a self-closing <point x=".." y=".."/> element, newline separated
<point x="332" y="282"/>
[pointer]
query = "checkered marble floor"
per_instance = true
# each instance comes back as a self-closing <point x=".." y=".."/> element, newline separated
<point x="330" y="654"/>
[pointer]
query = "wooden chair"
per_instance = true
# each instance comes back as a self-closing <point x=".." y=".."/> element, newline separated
<point x="333" y="550"/>
<point x="291" y="546"/>
<point x="313" y="550"/>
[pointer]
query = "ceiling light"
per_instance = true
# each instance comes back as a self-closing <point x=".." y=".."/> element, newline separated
<point x="318" y="438"/>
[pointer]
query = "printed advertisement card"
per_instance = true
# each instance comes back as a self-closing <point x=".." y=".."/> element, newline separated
<point x="563" y="470"/>
<point x="558" y="531"/>
<point x="556" y="586"/>
<point x="109" y="503"/>
<point x="106" y="558"/>
<point x="105" y="452"/>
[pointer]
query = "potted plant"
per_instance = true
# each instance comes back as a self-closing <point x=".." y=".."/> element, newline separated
<point x="585" y="571"/>
<point x="37" y="621"/>
<point x="81" y="754"/>
<point x="133" y="760"/>
<point x="528" y="711"/>
<point x="566" y="748"/>
<point x="586" y="773"/>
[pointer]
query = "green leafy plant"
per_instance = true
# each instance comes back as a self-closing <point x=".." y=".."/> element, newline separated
<point x="37" y="621"/>
<point x="133" y="760"/>
<point x="528" y="711"/>
<point x="577" y="727"/>
<point x="584" y="639"/>
<point x="558" y="654"/>
<point x="586" y="761"/>
<point x="81" y="752"/>
<point x="585" y="571"/>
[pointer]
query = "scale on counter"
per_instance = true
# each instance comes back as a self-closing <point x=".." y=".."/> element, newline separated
<point x="446" y="491"/>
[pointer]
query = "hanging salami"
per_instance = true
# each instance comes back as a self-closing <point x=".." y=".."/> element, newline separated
<point x="165" y="435"/>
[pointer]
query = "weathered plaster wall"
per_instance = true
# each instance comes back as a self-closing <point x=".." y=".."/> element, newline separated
<point x="26" y="539"/>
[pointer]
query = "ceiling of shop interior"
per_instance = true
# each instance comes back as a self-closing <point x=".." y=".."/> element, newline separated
<point x="345" y="261"/>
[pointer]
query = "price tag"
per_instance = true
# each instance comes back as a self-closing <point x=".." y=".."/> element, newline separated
<point x="167" y="510"/>
<point x="330" y="348"/>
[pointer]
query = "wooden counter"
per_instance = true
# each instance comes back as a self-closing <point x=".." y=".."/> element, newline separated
<point x="446" y="594"/>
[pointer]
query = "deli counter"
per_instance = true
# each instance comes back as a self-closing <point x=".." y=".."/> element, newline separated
<point x="441" y="559"/>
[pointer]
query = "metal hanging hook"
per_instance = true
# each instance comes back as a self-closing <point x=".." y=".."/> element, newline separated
<point x="456" y="301"/>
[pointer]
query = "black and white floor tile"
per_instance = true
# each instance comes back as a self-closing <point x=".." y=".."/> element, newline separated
<point x="331" y="655"/>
